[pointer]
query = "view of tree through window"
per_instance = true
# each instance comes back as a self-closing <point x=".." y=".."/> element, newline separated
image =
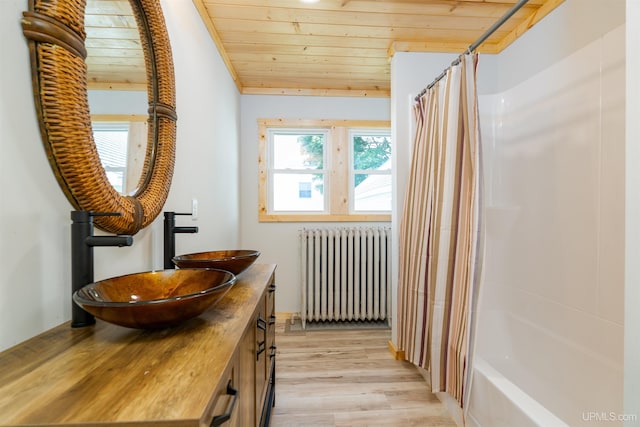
<point x="298" y="177"/>
<point x="311" y="150"/>
<point x="370" y="152"/>
<point x="370" y="170"/>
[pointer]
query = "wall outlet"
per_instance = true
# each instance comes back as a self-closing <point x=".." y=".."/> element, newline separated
<point x="194" y="209"/>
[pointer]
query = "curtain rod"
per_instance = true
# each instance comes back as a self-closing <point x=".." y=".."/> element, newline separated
<point x="477" y="43"/>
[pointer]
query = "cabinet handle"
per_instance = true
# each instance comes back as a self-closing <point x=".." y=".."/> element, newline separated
<point x="261" y="324"/>
<point x="273" y="351"/>
<point x="272" y="319"/>
<point x="272" y="288"/>
<point x="221" y="419"/>
<point x="260" y="350"/>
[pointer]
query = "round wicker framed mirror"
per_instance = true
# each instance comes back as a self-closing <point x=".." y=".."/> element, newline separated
<point x="56" y="35"/>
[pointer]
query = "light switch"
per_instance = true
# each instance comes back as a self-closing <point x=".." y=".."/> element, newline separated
<point x="194" y="209"/>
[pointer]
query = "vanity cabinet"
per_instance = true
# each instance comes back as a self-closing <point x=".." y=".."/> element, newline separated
<point x="216" y="369"/>
<point x="267" y="381"/>
<point x="256" y="354"/>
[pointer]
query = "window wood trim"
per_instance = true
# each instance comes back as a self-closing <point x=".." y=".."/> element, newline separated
<point x="339" y="200"/>
<point x="119" y="117"/>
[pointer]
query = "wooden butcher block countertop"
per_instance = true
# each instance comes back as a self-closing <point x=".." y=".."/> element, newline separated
<point x="110" y="375"/>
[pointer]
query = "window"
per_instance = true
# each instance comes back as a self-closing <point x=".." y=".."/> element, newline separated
<point x="297" y="169"/>
<point x="370" y="171"/>
<point x="111" y="143"/>
<point x="121" y="141"/>
<point x="324" y="170"/>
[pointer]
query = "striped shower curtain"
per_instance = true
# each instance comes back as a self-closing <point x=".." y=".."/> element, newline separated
<point x="439" y="257"/>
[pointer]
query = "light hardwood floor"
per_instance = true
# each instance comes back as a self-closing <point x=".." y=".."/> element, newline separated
<point x="349" y="378"/>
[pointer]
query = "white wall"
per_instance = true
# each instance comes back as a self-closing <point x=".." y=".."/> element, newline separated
<point x="207" y="155"/>
<point x="278" y="242"/>
<point x="34" y="214"/>
<point x="118" y="102"/>
<point x="632" y="222"/>
<point x="571" y="26"/>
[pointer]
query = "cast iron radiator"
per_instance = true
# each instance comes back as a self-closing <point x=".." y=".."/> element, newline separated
<point x="345" y="274"/>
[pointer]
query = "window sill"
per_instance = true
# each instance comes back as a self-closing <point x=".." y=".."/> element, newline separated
<point x="324" y="218"/>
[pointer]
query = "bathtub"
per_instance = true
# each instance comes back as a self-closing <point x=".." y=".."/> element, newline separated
<point x="497" y="402"/>
<point x="526" y="375"/>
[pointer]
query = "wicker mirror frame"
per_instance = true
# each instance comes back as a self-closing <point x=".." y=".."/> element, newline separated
<point x="55" y="32"/>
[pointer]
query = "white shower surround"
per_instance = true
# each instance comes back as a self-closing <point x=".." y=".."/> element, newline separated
<point x="550" y="344"/>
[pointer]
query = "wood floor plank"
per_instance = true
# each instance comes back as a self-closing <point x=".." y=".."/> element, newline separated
<point x="340" y="378"/>
<point x="418" y="417"/>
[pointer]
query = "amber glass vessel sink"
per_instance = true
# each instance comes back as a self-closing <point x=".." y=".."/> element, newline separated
<point x="235" y="261"/>
<point x="156" y="299"/>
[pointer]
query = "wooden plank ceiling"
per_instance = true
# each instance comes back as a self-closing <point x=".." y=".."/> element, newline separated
<point x="329" y="47"/>
<point x="115" y="59"/>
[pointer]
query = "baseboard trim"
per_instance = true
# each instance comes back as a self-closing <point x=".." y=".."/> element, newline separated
<point x="287" y="315"/>
<point x="397" y="354"/>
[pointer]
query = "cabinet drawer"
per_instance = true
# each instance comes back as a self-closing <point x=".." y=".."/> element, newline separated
<point x="224" y="410"/>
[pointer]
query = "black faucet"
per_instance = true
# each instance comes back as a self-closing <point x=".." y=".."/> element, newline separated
<point x="170" y="230"/>
<point x="82" y="243"/>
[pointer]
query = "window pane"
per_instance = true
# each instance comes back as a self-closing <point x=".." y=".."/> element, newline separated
<point x="111" y="141"/>
<point x="116" y="179"/>
<point x="298" y="151"/>
<point x="371" y="152"/>
<point x="372" y="192"/>
<point x="112" y="146"/>
<point x="298" y="192"/>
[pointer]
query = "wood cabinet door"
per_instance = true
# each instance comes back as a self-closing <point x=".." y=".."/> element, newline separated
<point x="262" y="356"/>
<point x="246" y="377"/>
<point x="271" y="317"/>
